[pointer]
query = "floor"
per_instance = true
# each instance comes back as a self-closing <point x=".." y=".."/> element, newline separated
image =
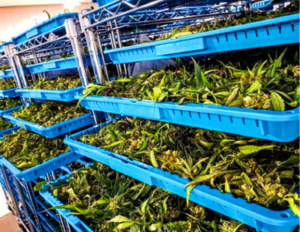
<point x="8" y="223"/>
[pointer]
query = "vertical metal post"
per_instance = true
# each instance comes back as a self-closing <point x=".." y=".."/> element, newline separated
<point x="35" y="60"/>
<point x="114" y="45"/>
<point x="8" y="52"/>
<point x="51" y="177"/>
<point x="93" y="48"/>
<point x="31" y="74"/>
<point x="19" y="190"/>
<point x="102" y="57"/>
<point x="21" y="71"/>
<point x="30" y="192"/>
<point x="73" y="34"/>
<point x="120" y="44"/>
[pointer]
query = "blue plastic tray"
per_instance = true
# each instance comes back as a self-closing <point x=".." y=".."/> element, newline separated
<point x="271" y="32"/>
<point x="44" y="27"/>
<point x="41" y="169"/>
<point x="8" y="131"/>
<point x="9" y="93"/>
<point x="59" y="64"/>
<point x="8" y="111"/>
<point x="54" y="95"/>
<point x="258" y="217"/>
<point x="55" y="130"/>
<point x="6" y="73"/>
<point x="281" y="126"/>
<point x="73" y="221"/>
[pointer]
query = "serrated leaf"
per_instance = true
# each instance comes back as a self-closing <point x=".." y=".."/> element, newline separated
<point x="277" y="102"/>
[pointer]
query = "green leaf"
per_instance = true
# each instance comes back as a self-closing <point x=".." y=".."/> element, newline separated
<point x="155" y="226"/>
<point x="123" y="80"/>
<point x="277" y="102"/>
<point x="232" y="96"/>
<point x="284" y="95"/>
<point x="254" y="87"/>
<point x="153" y="159"/>
<point x="201" y="178"/>
<point x="294" y="206"/>
<point x="297" y="94"/>
<point x="102" y="202"/>
<point x="227" y="187"/>
<point x="39" y="186"/>
<point x="181" y="101"/>
<point x="72" y="194"/>
<point x="49" y="16"/>
<point x="125" y="225"/>
<point x="250" y="149"/>
<point x="113" y="144"/>
<point x="198" y="76"/>
<point x="120" y="218"/>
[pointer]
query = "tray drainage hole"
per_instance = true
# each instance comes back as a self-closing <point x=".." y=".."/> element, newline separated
<point x="284" y="215"/>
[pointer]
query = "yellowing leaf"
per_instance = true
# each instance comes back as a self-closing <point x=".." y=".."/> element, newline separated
<point x="277" y="102"/>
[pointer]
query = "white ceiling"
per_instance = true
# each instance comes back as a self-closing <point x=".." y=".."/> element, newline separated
<point x="5" y="3"/>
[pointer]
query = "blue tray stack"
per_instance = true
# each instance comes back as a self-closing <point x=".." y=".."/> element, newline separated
<point x="19" y="185"/>
<point x="18" y="188"/>
<point x="269" y="125"/>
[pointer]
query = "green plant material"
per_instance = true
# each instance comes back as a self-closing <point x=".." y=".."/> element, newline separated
<point x="49" y="16"/>
<point x="4" y="125"/>
<point x="108" y="201"/>
<point x="49" y="113"/>
<point x="241" y="18"/>
<point x="60" y="83"/>
<point x="6" y="84"/>
<point x="26" y="149"/>
<point x="4" y="67"/>
<point x="259" y="171"/>
<point x="9" y="103"/>
<point x="268" y="84"/>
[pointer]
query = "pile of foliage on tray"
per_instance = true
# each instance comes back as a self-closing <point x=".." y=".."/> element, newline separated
<point x="27" y="149"/>
<point x="9" y="103"/>
<point x="4" y="124"/>
<point x="239" y="19"/>
<point x="60" y="83"/>
<point x="49" y="113"/>
<point x="6" y="84"/>
<point x="108" y="201"/>
<point x="262" y="172"/>
<point x="271" y="84"/>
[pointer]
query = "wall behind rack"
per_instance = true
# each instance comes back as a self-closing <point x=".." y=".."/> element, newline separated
<point x="16" y="19"/>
